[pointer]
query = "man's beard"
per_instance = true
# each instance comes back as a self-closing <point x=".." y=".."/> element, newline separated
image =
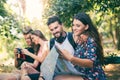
<point x="61" y="38"/>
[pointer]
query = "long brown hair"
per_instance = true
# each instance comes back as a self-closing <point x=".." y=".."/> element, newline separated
<point x="40" y="35"/>
<point x="92" y="32"/>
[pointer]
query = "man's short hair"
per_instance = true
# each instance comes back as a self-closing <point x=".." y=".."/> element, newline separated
<point x="27" y="30"/>
<point x="54" y="19"/>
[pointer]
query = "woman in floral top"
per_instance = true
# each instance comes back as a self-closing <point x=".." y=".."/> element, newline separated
<point x="88" y="56"/>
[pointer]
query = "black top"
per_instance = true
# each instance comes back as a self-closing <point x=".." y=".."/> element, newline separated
<point x="27" y="58"/>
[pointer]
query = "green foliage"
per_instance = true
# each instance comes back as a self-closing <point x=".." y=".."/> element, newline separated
<point x="106" y="5"/>
<point x="10" y="28"/>
<point x="3" y="12"/>
<point x="67" y="8"/>
<point x="9" y="24"/>
<point x="104" y="14"/>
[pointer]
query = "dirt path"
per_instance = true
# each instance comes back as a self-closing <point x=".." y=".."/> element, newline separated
<point x="112" y="71"/>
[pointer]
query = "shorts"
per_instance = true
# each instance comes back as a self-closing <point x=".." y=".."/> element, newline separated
<point x="34" y="76"/>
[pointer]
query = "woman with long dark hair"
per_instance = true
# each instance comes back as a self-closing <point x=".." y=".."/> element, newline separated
<point x="88" y="56"/>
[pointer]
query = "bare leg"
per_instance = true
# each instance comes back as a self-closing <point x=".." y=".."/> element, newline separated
<point x="9" y="76"/>
<point x="25" y="78"/>
<point x="27" y="69"/>
<point x="68" y="77"/>
<point x="24" y="75"/>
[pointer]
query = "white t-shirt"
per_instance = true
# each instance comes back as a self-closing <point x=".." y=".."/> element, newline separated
<point x="63" y="66"/>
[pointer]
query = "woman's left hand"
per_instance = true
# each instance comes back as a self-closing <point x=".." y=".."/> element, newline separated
<point x="67" y="55"/>
<point x="25" y="51"/>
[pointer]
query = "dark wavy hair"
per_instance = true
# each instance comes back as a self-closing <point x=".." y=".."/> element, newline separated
<point x="92" y="32"/>
<point x="54" y="19"/>
<point x="26" y="30"/>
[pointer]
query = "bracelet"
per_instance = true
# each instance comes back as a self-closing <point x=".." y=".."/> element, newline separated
<point x="42" y="77"/>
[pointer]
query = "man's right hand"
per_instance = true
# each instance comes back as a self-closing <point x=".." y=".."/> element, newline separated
<point x="16" y="54"/>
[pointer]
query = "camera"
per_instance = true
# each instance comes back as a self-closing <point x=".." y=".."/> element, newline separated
<point x="19" y="53"/>
<point x="19" y="50"/>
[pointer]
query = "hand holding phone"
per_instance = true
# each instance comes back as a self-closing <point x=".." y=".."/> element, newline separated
<point x="58" y="49"/>
<point x="64" y="53"/>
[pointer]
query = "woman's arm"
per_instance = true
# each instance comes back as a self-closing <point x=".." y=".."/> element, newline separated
<point x="35" y="63"/>
<point x="36" y="57"/>
<point x="82" y="62"/>
<point x="40" y="58"/>
<point x="75" y="60"/>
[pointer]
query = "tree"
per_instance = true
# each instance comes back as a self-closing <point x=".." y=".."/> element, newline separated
<point x="10" y="27"/>
<point x="66" y="9"/>
<point x="3" y="12"/>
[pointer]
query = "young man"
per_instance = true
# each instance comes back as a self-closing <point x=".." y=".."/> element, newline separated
<point x="20" y="58"/>
<point x="64" y="40"/>
<point x="56" y="28"/>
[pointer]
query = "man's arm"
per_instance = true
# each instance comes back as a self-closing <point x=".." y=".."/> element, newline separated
<point x="17" y="60"/>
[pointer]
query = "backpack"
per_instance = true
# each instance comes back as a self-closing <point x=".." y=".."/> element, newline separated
<point x="70" y="39"/>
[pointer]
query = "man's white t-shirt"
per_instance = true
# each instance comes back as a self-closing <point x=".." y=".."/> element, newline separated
<point x="63" y="66"/>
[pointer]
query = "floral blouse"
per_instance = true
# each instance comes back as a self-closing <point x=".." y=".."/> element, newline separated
<point x="88" y="51"/>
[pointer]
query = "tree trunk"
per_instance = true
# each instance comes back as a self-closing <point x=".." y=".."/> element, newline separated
<point x="112" y="34"/>
<point x="118" y="32"/>
<point x="118" y="37"/>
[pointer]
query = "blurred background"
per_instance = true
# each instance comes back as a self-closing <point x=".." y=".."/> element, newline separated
<point x="16" y="14"/>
